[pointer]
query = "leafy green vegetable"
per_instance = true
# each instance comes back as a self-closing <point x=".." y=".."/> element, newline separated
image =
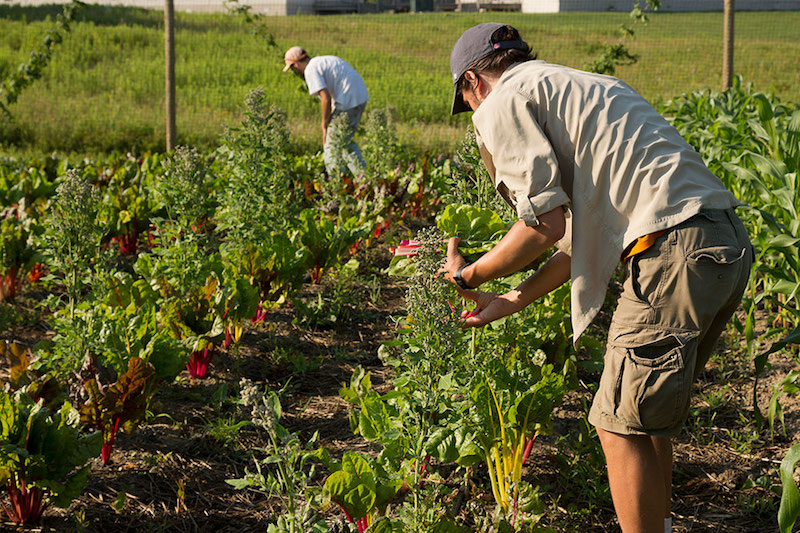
<point x="123" y="404"/>
<point x="42" y="456"/>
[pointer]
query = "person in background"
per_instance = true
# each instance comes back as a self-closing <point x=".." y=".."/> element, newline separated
<point x="592" y="169"/>
<point x="341" y="92"/>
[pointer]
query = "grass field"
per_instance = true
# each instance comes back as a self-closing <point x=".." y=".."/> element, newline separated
<point x="104" y="87"/>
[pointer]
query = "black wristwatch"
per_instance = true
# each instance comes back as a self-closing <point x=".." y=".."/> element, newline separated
<point x="459" y="280"/>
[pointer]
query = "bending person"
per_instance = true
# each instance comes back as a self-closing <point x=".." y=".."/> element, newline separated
<point x="341" y="92"/>
<point x="593" y="169"/>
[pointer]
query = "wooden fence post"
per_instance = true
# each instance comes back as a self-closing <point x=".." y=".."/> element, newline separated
<point x="727" y="48"/>
<point x="169" y="59"/>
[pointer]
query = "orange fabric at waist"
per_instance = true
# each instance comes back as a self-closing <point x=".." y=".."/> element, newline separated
<point x="641" y="244"/>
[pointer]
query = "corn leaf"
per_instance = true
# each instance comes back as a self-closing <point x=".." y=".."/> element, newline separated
<point x="790" y="497"/>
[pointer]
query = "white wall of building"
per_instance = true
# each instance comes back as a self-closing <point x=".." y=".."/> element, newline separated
<point x="556" y="6"/>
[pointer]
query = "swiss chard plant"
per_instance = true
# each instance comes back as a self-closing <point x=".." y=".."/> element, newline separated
<point x="127" y="202"/>
<point x="22" y="376"/>
<point x="510" y="407"/>
<point x="121" y="405"/>
<point x="43" y="457"/>
<point x="17" y="255"/>
<point x="327" y="240"/>
<point x="361" y="488"/>
<point x="186" y="276"/>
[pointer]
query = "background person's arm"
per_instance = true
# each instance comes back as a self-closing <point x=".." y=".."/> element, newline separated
<point x="327" y="110"/>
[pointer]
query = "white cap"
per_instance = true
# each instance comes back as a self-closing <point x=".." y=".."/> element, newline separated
<point x="293" y="55"/>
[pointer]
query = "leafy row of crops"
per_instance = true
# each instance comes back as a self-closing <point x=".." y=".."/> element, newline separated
<point x="153" y="265"/>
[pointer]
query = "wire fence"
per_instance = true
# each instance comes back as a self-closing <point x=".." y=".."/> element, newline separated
<point x="104" y="85"/>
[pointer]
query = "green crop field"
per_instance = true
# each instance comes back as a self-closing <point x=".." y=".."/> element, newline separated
<point x="103" y="89"/>
<point x="232" y="337"/>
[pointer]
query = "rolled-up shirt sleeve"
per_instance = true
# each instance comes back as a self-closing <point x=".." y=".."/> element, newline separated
<point x="519" y="156"/>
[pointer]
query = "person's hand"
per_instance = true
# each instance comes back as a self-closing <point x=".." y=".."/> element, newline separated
<point x="489" y="306"/>
<point x="453" y="262"/>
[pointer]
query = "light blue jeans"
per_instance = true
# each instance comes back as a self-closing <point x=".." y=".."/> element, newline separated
<point x="350" y="158"/>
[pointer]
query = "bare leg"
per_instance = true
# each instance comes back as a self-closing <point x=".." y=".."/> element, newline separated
<point x="637" y="481"/>
<point x="663" y="447"/>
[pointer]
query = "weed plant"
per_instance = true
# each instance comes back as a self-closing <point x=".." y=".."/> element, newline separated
<point x="286" y="469"/>
<point x="72" y="235"/>
<point x="469" y="182"/>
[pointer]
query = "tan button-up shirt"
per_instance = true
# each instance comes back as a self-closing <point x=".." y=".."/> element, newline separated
<point x="554" y="136"/>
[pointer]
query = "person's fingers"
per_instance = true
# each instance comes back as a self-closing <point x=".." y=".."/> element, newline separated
<point x="469" y="295"/>
<point x="452" y="246"/>
<point x="474" y="321"/>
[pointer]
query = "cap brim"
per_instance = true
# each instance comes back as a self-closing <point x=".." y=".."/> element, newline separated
<point x="287" y="67"/>
<point x="459" y="105"/>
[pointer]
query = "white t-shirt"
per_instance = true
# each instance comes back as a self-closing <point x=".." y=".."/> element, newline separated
<point x="342" y="81"/>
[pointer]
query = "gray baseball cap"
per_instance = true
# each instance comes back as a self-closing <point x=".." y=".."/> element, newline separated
<point x="473" y="45"/>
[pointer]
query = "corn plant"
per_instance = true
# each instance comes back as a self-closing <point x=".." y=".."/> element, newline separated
<point x="752" y="142"/>
<point x="789" y="509"/>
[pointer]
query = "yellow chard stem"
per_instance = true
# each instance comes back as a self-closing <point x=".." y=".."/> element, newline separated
<point x="518" y="457"/>
<point x="502" y="422"/>
<point x="492" y="478"/>
<point x="501" y="482"/>
<point x="508" y="459"/>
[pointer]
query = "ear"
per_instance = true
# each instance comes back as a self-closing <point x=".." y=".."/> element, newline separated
<point x="471" y="78"/>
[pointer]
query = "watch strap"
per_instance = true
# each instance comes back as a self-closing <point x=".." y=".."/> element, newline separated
<point x="459" y="280"/>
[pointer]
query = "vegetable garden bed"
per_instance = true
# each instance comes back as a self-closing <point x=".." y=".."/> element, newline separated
<point x="341" y="393"/>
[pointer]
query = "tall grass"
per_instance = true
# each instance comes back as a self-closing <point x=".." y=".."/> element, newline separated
<point x="104" y="87"/>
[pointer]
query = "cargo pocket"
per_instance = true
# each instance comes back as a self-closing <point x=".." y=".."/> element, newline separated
<point x="716" y="255"/>
<point x="656" y="379"/>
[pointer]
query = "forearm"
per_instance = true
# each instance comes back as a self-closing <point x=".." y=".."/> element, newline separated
<point x="519" y="248"/>
<point x="327" y="111"/>
<point x="551" y="275"/>
<point x="326" y="115"/>
<point x="490" y="306"/>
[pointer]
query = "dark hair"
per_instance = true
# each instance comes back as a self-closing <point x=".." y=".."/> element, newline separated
<point x="499" y="61"/>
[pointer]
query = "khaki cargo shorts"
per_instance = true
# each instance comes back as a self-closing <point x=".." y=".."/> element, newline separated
<point x="676" y="299"/>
